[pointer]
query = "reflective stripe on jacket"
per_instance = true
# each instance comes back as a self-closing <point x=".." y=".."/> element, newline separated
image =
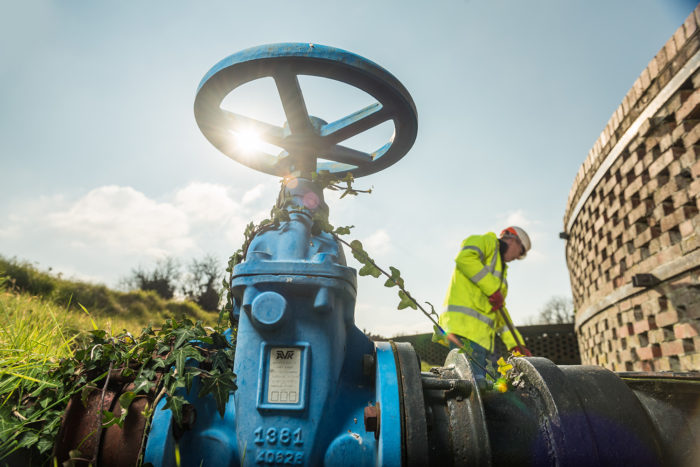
<point x="478" y="273"/>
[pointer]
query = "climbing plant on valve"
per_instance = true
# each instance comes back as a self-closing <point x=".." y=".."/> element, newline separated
<point x="305" y="386"/>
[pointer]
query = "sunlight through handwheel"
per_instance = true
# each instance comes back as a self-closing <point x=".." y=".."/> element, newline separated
<point x="304" y="138"/>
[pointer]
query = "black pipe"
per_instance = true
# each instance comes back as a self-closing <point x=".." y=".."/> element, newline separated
<point x="565" y="415"/>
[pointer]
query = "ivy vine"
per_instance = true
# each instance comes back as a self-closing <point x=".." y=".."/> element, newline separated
<point x="161" y="363"/>
<point x="326" y="180"/>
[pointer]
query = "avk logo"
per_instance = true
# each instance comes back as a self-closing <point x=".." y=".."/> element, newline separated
<point x="285" y="354"/>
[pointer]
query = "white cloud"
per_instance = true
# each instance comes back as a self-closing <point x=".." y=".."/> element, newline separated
<point x="109" y="230"/>
<point x="205" y="202"/>
<point x="121" y="218"/>
<point x="253" y="194"/>
<point x="520" y="219"/>
<point x="378" y="243"/>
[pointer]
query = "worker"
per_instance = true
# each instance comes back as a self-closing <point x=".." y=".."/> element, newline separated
<point x="474" y="309"/>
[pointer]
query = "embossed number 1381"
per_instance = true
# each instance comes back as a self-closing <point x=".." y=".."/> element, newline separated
<point x="274" y="435"/>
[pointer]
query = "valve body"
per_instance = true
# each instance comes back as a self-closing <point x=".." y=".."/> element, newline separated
<point x="314" y="390"/>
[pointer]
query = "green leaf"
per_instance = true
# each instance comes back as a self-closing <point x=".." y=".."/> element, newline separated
<point x="501" y="385"/>
<point x="249" y="229"/>
<point x="29" y="439"/>
<point x="109" y="419"/>
<point x="85" y="393"/>
<point x="99" y="334"/>
<point x="205" y="340"/>
<point x="370" y="270"/>
<point x="219" y="385"/>
<point x="467" y="346"/>
<point x="156" y="364"/>
<point x="143" y="384"/>
<point x="44" y="445"/>
<point x="439" y="336"/>
<point x="395" y="278"/>
<point x="406" y="302"/>
<point x="189" y="376"/>
<point x="126" y="398"/>
<point x="175" y="404"/>
<point x="183" y="335"/>
<point x="490" y="370"/>
<point x="219" y="341"/>
<point x="358" y="252"/>
<point x="222" y="360"/>
<point x="75" y="454"/>
<point x="344" y="230"/>
<point x="180" y="356"/>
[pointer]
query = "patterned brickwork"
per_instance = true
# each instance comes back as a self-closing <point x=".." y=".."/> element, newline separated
<point x="655" y="330"/>
<point x="633" y="208"/>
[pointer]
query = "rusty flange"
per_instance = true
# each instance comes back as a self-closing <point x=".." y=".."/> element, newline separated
<point x="80" y="426"/>
<point x="111" y="446"/>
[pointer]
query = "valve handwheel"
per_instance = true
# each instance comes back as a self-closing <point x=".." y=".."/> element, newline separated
<point x="305" y="138"/>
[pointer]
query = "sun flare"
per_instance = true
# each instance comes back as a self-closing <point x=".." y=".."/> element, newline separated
<point x="248" y="140"/>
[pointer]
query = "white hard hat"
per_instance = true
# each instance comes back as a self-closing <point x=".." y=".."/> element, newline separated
<point x="521" y="235"/>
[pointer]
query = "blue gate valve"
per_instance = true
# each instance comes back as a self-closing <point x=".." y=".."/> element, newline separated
<point x="312" y="388"/>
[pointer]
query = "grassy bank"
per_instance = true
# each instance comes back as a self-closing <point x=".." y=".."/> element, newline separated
<point x="44" y="319"/>
<point x="111" y="309"/>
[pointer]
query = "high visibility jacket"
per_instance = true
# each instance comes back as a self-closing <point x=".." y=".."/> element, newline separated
<point x="479" y="272"/>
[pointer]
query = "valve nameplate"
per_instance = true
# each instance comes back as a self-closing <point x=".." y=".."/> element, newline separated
<point x="284" y="375"/>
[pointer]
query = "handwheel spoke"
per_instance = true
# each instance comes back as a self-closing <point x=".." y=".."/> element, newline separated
<point x="241" y="124"/>
<point x="305" y="143"/>
<point x="355" y="123"/>
<point x="347" y="156"/>
<point x="293" y="102"/>
<point x="260" y="160"/>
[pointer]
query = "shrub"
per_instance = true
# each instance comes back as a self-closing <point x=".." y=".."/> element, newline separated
<point x="136" y="306"/>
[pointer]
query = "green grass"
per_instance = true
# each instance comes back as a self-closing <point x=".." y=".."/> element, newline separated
<point x="42" y="320"/>
<point x="34" y="335"/>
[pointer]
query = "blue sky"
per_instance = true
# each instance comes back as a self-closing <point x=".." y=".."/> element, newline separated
<point x="103" y="166"/>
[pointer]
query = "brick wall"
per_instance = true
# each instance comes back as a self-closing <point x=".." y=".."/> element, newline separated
<point x="633" y="208"/>
<point x="556" y="342"/>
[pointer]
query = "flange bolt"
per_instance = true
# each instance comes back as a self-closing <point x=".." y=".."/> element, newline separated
<point x="372" y="420"/>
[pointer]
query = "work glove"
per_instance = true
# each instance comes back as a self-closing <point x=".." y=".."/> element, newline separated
<point x="496" y="300"/>
<point x="523" y="351"/>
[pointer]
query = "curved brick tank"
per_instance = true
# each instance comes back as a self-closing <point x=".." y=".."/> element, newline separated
<point x="633" y="209"/>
